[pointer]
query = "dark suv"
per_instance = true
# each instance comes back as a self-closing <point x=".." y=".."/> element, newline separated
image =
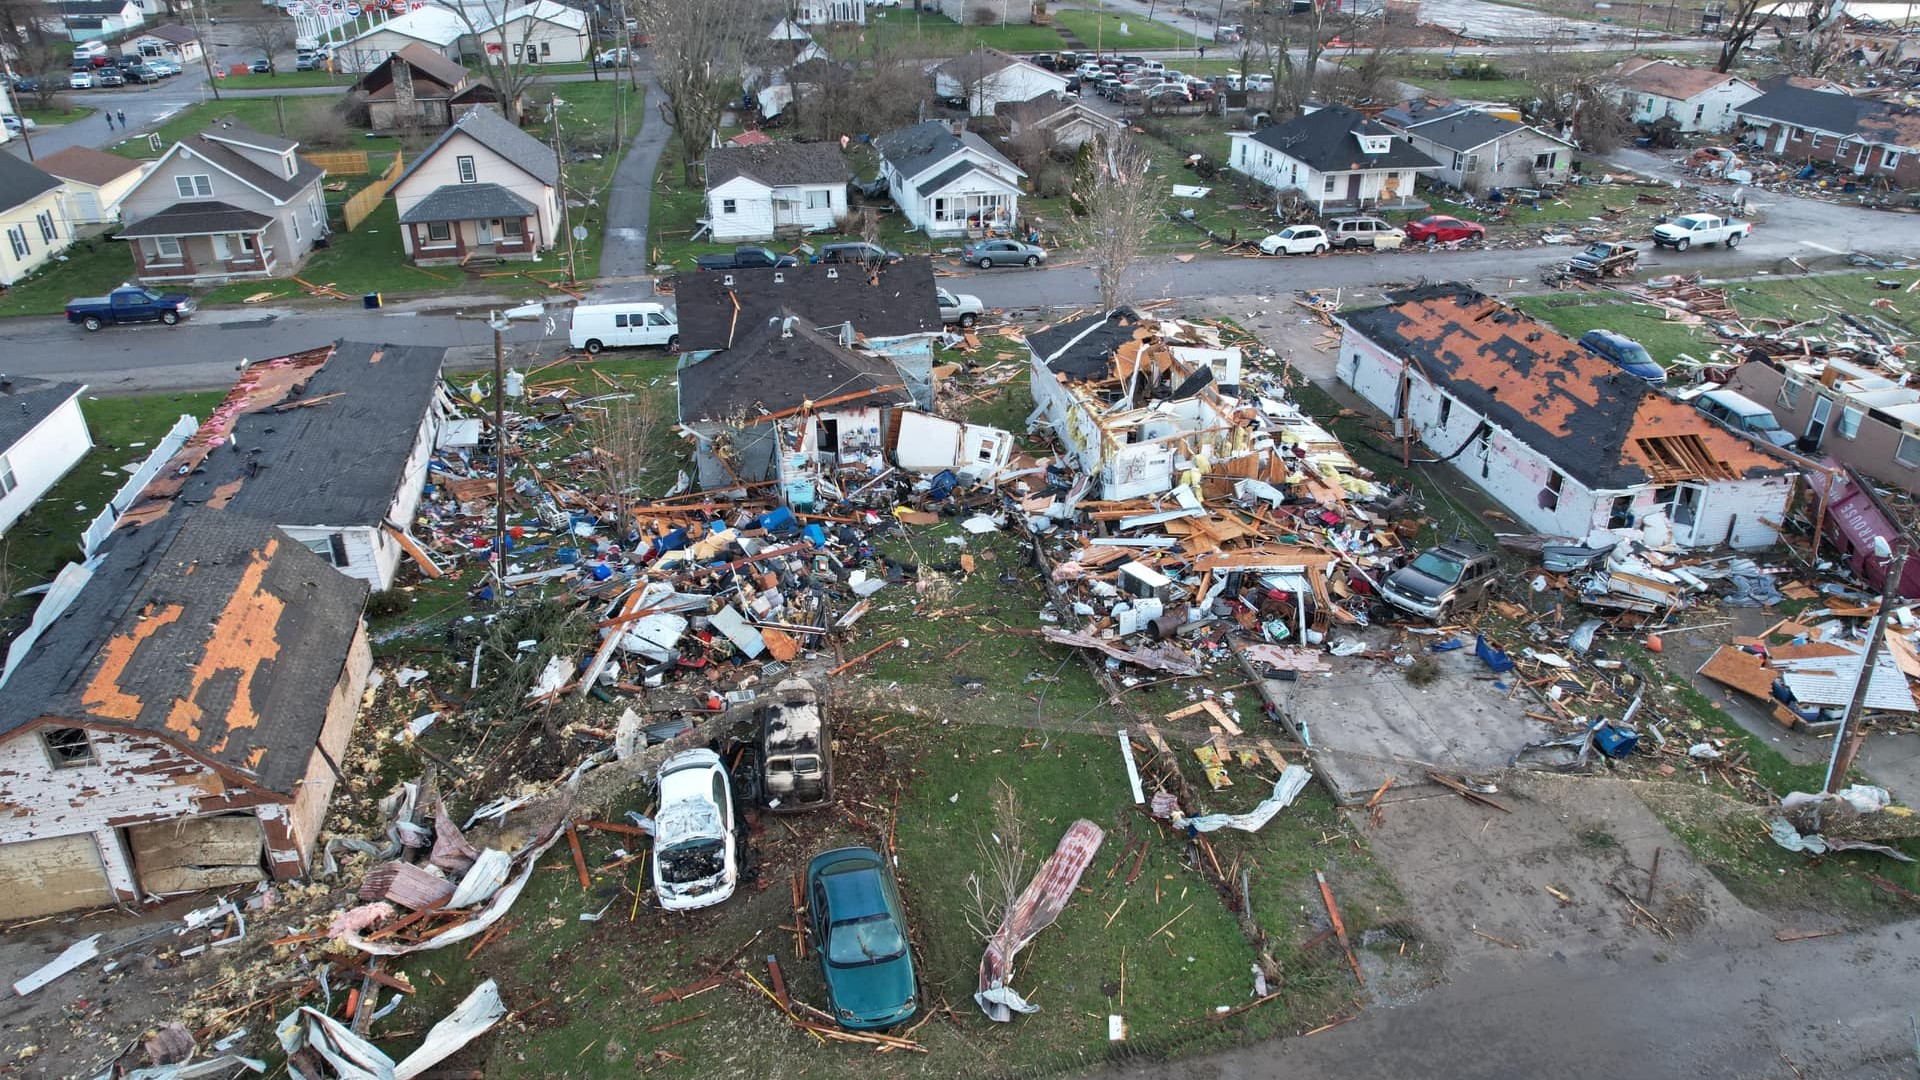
<point x="856" y="253"/>
<point x="1627" y="354"/>
<point x="1442" y="580"/>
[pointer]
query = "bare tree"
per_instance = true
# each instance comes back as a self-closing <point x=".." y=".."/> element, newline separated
<point x="508" y="53"/>
<point x="876" y="86"/>
<point x="1004" y="866"/>
<point x="1819" y="50"/>
<point x="1744" y="19"/>
<point x="626" y="442"/>
<point x="699" y="50"/>
<point x="1575" y="94"/>
<point x="270" y="37"/>
<point x="1116" y="199"/>
<point x="41" y="60"/>
<point x="971" y="74"/>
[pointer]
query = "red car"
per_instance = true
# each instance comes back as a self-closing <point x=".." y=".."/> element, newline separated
<point x="1442" y="229"/>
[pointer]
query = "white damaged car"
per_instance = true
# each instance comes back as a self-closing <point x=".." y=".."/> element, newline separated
<point x="694" y="861"/>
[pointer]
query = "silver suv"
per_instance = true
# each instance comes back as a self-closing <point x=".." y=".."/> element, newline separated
<point x="1442" y="580"/>
<point x="1358" y="232"/>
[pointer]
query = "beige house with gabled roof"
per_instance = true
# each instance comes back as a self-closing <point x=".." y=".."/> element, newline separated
<point x="484" y="189"/>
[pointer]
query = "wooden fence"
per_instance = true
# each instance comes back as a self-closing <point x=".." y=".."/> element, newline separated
<point x="341" y="162"/>
<point x="362" y="204"/>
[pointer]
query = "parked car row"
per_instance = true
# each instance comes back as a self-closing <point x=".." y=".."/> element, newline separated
<point x="99" y="71"/>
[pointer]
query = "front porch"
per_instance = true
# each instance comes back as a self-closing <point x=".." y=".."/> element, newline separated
<point x="458" y="223"/>
<point x="972" y="213"/>
<point x="203" y="243"/>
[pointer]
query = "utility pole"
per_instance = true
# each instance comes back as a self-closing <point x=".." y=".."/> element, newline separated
<point x="206" y="48"/>
<point x="566" y="207"/>
<point x="14" y="98"/>
<point x="499" y="326"/>
<point x="1853" y="729"/>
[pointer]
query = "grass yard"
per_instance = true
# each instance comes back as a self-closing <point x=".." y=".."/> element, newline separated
<point x="93" y="266"/>
<point x="312" y="120"/>
<point x="1142" y="35"/>
<point x="58" y="114"/>
<point x="933" y="34"/>
<point x="124" y="431"/>
<point x="287" y="80"/>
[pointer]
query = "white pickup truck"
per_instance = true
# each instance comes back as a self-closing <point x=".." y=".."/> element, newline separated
<point x="1683" y="232"/>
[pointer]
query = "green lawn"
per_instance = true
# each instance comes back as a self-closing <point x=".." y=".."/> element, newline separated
<point x="1102" y="30"/>
<point x="313" y="120"/>
<point x="48" y="536"/>
<point x="92" y="267"/>
<point x="933" y="34"/>
<point x="587" y="122"/>
<point x="286" y="80"/>
<point x="56" y="116"/>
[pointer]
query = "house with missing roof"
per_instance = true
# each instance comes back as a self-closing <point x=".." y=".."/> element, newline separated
<point x="227" y="204"/>
<point x="43" y="435"/>
<point x="33" y="214"/>
<point x="1868" y="136"/>
<point x="418" y="89"/>
<point x="947" y="184"/>
<point x="892" y="310"/>
<point x="94" y="182"/>
<point x="984" y="79"/>
<point x="1057" y="121"/>
<point x="1478" y="151"/>
<point x="180" y="725"/>
<point x="1565" y="440"/>
<point x="484" y="189"/>
<point x="331" y="445"/>
<point x="804" y="407"/>
<point x="1847" y="411"/>
<point x="1697" y="99"/>
<point x="759" y="192"/>
<point x="1336" y="158"/>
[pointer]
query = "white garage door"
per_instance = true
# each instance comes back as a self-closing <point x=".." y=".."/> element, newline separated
<point x="39" y="877"/>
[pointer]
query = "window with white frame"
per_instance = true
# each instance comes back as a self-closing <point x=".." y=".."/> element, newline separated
<point x="439" y="231"/>
<point x="17" y="237"/>
<point x="1546" y="161"/>
<point x="1550" y="498"/>
<point x="295" y="223"/>
<point x="546" y="48"/>
<point x="7" y="482"/>
<point x="1850" y="422"/>
<point x="286" y="164"/>
<point x="315" y="212"/>
<point x="1814" y="143"/>
<point x="1908" y="452"/>
<point x="514" y="227"/>
<point x="467" y="173"/>
<point x="818" y="199"/>
<point x="47" y="231"/>
<point x="1889" y="158"/>
<point x="192" y="187"/>
<point x="1790" y="393"/>
<point x="1327" y="186"/>
<point x="728" y="206"/>
<point x="330" y="547"/>
<point x="167" y="247"/>
<point x="1459" y="160"/>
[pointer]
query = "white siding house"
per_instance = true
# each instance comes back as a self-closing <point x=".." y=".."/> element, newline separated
<point x="758" y="192"/>
<point x="435" y="27"/>
<point x="947" y="184"/>
<point x="94" y="181"/>
<point x="1698" y="99"/>
<point x="42" y="436"/>
<point x="542" y="32"/>
<point x="1335" y="157"/>
<point x="1579" y="446"/>
<point x="483" y="188"/>
<point x="830" y="12"/>
<point x="986" y="79"/>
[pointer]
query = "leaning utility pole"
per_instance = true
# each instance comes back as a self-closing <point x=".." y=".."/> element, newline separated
<point x="1853" y="729"/>
<point x="566" y="207"/>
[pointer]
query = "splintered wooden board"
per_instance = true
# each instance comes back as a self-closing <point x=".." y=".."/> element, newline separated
<point x="1743" y="671"/>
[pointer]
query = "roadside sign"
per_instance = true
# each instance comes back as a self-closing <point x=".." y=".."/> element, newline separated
<point x="353" y="10"/>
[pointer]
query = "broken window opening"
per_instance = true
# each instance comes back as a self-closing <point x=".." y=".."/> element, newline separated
<point x="68" y="747"/>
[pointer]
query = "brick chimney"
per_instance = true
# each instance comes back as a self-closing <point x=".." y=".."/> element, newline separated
<point x="402" y="75"/>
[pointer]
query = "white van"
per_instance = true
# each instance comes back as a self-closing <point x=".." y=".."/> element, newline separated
<point x="619" y="326"/>
<point x="87" y="50"/>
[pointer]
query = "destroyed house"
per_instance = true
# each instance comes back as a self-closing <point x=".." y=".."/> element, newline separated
<point x="793" y="404"/>
<point x="331" y="444"/>
<point x="1855" y="411"/>
<point x="893" y="310"/>
<point x="179" y="725"/>
<point x="1140" y="403"/>
<point x="1565" y="440"/>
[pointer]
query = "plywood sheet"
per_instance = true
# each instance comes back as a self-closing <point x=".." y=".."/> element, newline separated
<point x="1741" y="670"/>
<point x="40" y="877"/>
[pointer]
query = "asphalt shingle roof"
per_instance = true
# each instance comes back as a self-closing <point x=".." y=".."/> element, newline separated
<point x="24" y="403"/>
<point x="913" y="150"/>
<point x="1084" y="348"/>
<point x="1839" y="114"/>
<point x="1324" y="140"/>
<point x="771" y="370"/>
<point x="196" y="219"/>
<point x="21" y="182"/>
<point x="212" y="144"/>
<point x="231" y="131"/>
<point x="493" y="131"/>
<point x="1466" y="129"/>
<point x="468" y="202"/>
<point x="779" y="164"/>
<point x="899" y="301"/>
<point x="86" y="165"/>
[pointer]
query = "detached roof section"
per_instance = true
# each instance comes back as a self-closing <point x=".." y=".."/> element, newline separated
<point x="211" y="630"/>
<point x="1600" y="425"/>
<point x="779" y="164"/>
<point x="24" y="403"/>
<point x="1328" y="140"/>
<point x="893" y="301"/>
<point x="780" y="364"/>
<point x="1084" y="348"/>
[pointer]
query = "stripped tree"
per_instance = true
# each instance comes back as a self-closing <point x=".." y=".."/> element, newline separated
<point x="1115" y="200"/>
<point x="699" y="52"/>
<point x="508" y="53"/>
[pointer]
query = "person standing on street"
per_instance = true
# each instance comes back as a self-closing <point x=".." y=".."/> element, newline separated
<point x="121" y="115"/>
<point x="109" y="115"/>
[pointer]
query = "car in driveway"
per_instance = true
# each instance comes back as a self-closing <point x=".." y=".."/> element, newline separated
<point x="987" y="254"/>
<point x="859" y="930"/>
<point x="857" y="252"/>
<point x="1626" y="354"/>
<point x="80" y="80"/>
<point x="1743" y="416"/>
<point x="695" y="863"/>
<point x="1443" y="581"/>
<point x="1441" y="229"/>
<point x="962" y="308"/>
<point x="1296" y="240"/>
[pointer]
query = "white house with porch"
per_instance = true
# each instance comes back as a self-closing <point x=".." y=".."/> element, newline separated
<point x="1336" y="158"/>
<point x="757" y="192"/>
<point x="484" y="189"/>
<point x="947" y="184"/>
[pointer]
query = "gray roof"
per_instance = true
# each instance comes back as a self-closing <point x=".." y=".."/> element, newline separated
<point x="468" y="202"/>
<point x="1325" y="141"/>
<point x="21" y="182"/>
<point x="26" y="402"/>
<point x="492" y="130"/>
<point x="1838" y="114"/>
<point x="899" y="300"/>
<point x="767" y="369"/>
<point x="1466" y="129"/>
<point x="211" y="144"/>
<point x="197" y="219"/>
<point x="232" y="131"/>
<point x="93" y="7"/>
<point x="913" y="150"/>
<point x="955" y="171"/>
<point x="207" y="629"/>
<point x="779" y="164"/>
<point x="339" y="463"/>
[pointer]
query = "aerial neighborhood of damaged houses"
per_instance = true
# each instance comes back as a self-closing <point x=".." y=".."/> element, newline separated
<point x="1049" y="536"/>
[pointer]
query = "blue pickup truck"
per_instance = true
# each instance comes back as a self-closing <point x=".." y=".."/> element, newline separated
<point x="129" y="304"/>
